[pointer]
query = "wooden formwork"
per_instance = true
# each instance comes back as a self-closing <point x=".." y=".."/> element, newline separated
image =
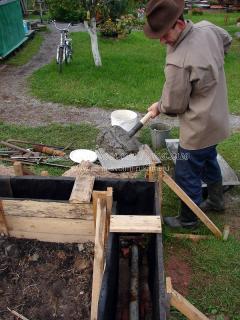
<point x="70" y="220"/>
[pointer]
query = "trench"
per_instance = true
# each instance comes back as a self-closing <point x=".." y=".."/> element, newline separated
<point x="133" y="280"/>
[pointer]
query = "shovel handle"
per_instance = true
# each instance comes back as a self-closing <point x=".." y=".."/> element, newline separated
<point x="140" y="124"/>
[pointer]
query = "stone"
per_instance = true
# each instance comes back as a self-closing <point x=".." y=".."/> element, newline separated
<point x="12" y="251"/>
<point x="34" y="257"/>
<point x="80" y="247"/>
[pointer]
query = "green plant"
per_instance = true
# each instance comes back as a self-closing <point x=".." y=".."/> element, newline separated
<point x="66" y="10"/>
<point x="120" y="27"/>
<point x="197" y="11"/>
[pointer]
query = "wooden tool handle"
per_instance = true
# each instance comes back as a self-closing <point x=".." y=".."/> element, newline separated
<point x="12" y="146"/>
<point x="50" y="151"/>
<point x="139" y="125"/>
<point x="146" y="118"/>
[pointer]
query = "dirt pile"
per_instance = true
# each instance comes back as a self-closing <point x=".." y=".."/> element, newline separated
<point x="45" y="281"/>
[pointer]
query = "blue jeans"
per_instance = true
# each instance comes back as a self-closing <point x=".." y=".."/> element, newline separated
<point x="192" y="166"/>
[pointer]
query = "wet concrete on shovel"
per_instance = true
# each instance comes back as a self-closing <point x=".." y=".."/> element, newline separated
<point x="117" y="142"/>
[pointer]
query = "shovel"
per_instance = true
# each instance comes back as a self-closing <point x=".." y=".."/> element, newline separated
<point x="118" y="142"/>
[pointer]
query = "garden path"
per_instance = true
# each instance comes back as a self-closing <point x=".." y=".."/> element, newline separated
<point x="18" y="107"/>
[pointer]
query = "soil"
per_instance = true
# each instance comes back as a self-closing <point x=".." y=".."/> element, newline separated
<point x="178" y="269"/>
<point x="45" y="281"/>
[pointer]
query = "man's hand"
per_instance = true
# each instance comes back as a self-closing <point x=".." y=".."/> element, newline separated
<point x="154" y="109"/>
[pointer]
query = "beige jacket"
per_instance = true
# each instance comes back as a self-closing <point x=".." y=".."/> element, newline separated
<point x="195" y="86"/>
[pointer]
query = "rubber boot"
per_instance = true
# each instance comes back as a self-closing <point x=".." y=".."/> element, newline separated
<point x="214" y="201"/>
<point x="186" y="219"/>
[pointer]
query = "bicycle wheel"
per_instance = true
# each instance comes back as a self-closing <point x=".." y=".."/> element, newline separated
<point x="68" y="53"/>
<point x="60" y="59"/>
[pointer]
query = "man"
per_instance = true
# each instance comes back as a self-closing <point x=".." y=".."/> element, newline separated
<point x="195" y="90"/>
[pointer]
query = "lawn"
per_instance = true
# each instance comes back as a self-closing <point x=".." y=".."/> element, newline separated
<point x="132" y="75"/>
<point x="26" y="52"/>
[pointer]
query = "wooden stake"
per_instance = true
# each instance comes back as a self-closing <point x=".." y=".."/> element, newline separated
<point x="3" y="223"/>
<point x="226" y="232"/>
<point x="18" y="168"/>
<point x="182" y="304"/>
<point x="98" y="264"/>
<point x="198" y="212"/>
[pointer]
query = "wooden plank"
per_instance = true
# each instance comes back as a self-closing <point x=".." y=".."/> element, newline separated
<point x="198" y="212"/>
<point x="82" y="190"/>
<point x="95" y="196"/>
<point x="135" y="224"/>
<point x="109" y="199"/>
<point x="50" y="225"/>
<point x="182" y="304"/>
<point x="48" y="209"/>
<point x="18" y="168"/>
<point x="52" y="237"/>
<point x="98" y="263"/>
<point x="3" y="223"/>
<point x="193" y="237"/>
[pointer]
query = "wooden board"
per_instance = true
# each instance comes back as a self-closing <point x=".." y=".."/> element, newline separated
<point x="198" y="212"/>
<point x="82" y="190"/>
<point x="51" y="237"/>
<point x="3" y="223"/>
<point x="48" y="209"/>
<point x="98" y="263"/>
<point x="182" y="304"/>
<point x="50" y="229"/>
<point x="135" y="224"/>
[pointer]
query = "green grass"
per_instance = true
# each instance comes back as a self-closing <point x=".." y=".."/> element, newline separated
<point x="80" y="136"/>
<point x="215" y="275"/>
<point x="132" y="75"/>
<point x="26" y="52"/>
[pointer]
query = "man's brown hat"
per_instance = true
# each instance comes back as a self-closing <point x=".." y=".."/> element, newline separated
<point x="161" y="16"/>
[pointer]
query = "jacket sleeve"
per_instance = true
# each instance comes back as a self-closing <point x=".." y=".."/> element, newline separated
<point x="176" y="91"/>
<point x="226" y="38"/>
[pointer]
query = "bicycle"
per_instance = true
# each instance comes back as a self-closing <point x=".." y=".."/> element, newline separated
<point x="64" y="49"/>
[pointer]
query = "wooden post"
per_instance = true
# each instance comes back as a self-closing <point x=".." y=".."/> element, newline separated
<point x="95" y="196"/>
<point x="18" y="168"/>
<point x="183" y="305"/>
<point x="98" y="264"/>
<point x="3" y="223"/>
<point x="198" y="212"/>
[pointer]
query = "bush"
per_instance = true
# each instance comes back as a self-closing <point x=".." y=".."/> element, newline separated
<point x="66" y="10"/>
<point x="119" y="28"/>
<point x="197" y="11"/>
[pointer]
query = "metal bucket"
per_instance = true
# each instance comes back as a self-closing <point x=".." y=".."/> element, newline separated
<point x="159" y="132"/>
